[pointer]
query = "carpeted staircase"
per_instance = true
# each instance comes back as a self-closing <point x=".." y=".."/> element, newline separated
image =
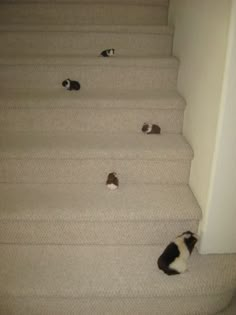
<point x="68" y="245"/>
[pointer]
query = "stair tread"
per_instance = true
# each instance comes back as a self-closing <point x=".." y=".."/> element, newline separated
<point x="108" y="271"/>
<point x="83" y="14"/>
<point x="60" y="61"/>
<point x="94" y="202"/>
<point x="110" y="75"/>
<point x="94" y="146"/>
<point x="141" y="29"/>
<point x="100" y="98"/>
<point x="142" y="2"/>
<point x="128" y="61"/>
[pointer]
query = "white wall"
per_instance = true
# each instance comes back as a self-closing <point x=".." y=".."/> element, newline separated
<point x="200" y="42"/>
<point x="219" y="223"/>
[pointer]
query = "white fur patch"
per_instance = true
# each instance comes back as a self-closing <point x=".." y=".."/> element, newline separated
<point x="67" y="84"/>
<point x="112" y="186"/>
<point x="110" y="52"/>
<point x="184" y="252"/>
<point x="180" y="263"/>
<point x="149" y="128"/>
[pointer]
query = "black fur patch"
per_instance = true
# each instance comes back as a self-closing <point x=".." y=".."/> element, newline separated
<point x="190" y="243"/>
<point x="105" y="53"/>
<point x="168" y="256"/>
<point x="145" y="128"/>
<point x="112" y="179"/>
<point x="155" y="129"/>
<point x="64" y="83"/>
<point x="73" y="85"/>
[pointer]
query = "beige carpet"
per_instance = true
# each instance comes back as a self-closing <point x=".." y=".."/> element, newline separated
<point x="68" y="245"/>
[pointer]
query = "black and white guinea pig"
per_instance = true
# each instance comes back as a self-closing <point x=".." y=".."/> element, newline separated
<point x="174" y="259"/>
<point x="151" y="129"/>
<point x="71" y="85"/>
<point x="112" y="181"/>
<point x="108" y="52"/>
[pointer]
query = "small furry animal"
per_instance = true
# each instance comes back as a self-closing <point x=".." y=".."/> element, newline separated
<point x="112" y="181"/>
<point x="108" y="52"/>
<point x="173" y="260"/>
<point x="71" y="85"/>
<point x="151" y="129"/>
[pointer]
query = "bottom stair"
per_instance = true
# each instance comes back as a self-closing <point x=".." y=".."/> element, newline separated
<point x="58" y="279"/>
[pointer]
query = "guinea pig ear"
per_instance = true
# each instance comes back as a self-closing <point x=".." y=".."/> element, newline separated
<point x="186" y="233"/>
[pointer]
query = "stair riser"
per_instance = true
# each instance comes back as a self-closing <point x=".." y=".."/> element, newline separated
<point x="83" y="14"/>
<point x="195" y="305"/>
<point x="99" y="233"/>
<point x="93" y="171"/>
<point x="110" y="120"/>
<point x="57" y="99"/>
<point x="143" y="2"/>
<point x="89" y="76"/>
<point x="84" y="43"/>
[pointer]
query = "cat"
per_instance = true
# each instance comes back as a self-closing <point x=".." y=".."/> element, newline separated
<point x="112" y="181"/>
<point x="108" y="52"/>
<point x="173" y="260"/>
<point x="151" y="129"/>
<point x="71" y="85"/>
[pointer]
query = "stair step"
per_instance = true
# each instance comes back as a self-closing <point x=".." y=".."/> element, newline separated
<point x="82" y="13"/>
<point x="86" y="158"/>
<point x="89" y="110"/>
<point x="97" y="203"/>
<point x="72" y="60"/>
<point x="95" y="28"/>
<point x="93" y="146"/>
<point x="93" y="171"/>
<point x="142" y="2"/>
<point x="92" y="214"/>
<point x="89" y="120"/>
<point x="67" y="40"/>
<point x="209" y="304"/>
<point x="114" y="74"/>
<point x="123" y="276"/>
<point x="94" y="117"/>
<point x="13" y="98"/>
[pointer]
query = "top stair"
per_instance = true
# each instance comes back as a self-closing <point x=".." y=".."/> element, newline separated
<point x="84" y="12"/>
